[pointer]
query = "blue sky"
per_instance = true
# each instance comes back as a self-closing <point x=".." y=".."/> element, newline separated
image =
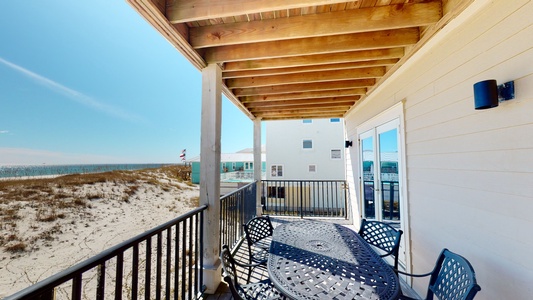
<point x="93" y="82"/>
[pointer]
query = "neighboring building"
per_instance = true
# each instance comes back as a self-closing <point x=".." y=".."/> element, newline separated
<point x="234" y="167"/>
<point x="305" y="149"/>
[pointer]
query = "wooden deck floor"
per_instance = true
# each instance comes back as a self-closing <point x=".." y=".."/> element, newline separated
<point x="223" y="292"/>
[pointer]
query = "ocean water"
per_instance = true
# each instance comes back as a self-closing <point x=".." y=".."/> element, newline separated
<point x="46" y="170"/>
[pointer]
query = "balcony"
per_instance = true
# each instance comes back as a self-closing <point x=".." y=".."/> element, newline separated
<point x="167" y="262"/>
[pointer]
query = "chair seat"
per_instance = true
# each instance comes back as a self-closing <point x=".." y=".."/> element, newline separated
<point x="260" y="250"/>
<point x="261" y="290"/>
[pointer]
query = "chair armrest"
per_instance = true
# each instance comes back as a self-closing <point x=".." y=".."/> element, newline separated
<point x="413" y="275"/>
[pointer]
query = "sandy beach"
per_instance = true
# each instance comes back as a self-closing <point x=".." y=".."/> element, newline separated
<point x="50" y="224"/>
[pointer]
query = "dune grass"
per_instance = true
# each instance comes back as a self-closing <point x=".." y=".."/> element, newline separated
<point x="49" y="199"/>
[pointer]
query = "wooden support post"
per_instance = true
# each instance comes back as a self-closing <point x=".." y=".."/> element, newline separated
<point x="258" y="165"/>
<point x="210" y="173"/>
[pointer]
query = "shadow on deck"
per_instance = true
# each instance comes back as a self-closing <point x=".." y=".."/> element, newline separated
<point x="223" y="292"/>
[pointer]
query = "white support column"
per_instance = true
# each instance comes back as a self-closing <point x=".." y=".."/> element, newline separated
<point x="210" y="172"/>
<point x="258" y="164"/>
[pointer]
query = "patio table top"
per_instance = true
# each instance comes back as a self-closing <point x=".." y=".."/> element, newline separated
<point x="320" y="260"/>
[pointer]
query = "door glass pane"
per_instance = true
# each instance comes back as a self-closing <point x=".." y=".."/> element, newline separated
<point x="367" y="148"/>
<point x="388" y="161"/>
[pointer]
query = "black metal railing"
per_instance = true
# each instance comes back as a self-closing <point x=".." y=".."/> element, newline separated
<point x="236" y="209"/>
<point x="165" y="262"/>
<point x="390" y="197"/>
<point x="390" y="200"/>
<point x="305" y="198"/>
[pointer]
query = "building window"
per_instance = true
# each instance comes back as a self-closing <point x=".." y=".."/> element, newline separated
<point x="276" y="192"/>
<point x="334" y="120"/>
<point x="307" y="144"/>
<point x="336" y="154"/>
<point x="276" y="171"/>
<point x="312" y="168"/>
<point x="307" y="121"/>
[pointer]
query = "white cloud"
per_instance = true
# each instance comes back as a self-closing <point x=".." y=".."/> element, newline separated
<point x="4" y="131"/>
<point x="72" y="94"/>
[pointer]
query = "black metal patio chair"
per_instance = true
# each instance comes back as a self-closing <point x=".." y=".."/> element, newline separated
<point x="453" y="278"/>
<point x="382" y="236"/>
<point x="261" y="290"/>
<point x="258" y="233"/>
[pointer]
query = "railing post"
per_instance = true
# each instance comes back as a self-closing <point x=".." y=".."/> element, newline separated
<point x="301" y="200"/>
<point x="345" y="200"/>
<point x="48" y="295"/>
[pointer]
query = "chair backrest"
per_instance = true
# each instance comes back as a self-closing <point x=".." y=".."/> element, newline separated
<point x="453" y="278"/>
<point x="382" y="236"/>
<point x="230" y="273"/>
<point x="258" y="228"/>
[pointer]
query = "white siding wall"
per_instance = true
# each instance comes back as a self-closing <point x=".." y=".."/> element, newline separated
<point x="284" y="146"/>
<point x="469" y="173"/>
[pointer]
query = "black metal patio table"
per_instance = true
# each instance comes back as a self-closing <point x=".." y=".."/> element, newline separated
<point x="321" y="260"/>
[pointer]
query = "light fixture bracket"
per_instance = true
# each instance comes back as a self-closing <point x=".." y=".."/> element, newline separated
<point x="506" y="91"/>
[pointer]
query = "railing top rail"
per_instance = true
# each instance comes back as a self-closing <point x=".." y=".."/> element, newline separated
<point x="238" y="190"/>
<point x="304" y="180"/>
<point x="32" y="291"/>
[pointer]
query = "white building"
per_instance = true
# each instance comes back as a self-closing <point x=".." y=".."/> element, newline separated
<point x="305" y="149"/>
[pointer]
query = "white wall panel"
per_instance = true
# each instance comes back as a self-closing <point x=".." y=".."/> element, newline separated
<point x="469" y="173"/>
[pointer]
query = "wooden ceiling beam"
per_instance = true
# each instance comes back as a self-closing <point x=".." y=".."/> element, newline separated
<point x="342" y="106"/>
<point x="313" y="68"/>
<point x="314" y="25"/>
<point x="357" y="73"/>
<point x="180" y="11"/>
<point x="319" y="59"/>
<point x="331" y="100"/>
<point x="327" y="94"/>
<point x="315" y="45"/>
<point x="303" y="87"/>
<point x="323" y="115"/>
<point x="303" y="114"/>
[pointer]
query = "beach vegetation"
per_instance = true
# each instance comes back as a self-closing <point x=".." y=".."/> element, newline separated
<point x="195" y="201"/>
<point x="16" y="247"/>
<point x="47" y="200"/>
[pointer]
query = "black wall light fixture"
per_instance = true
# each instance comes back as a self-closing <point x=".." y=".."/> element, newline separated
<point x="347" y="144"/>
<point x="487" y="94"/>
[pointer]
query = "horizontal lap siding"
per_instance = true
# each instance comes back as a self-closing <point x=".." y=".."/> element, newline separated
<point x="470" y="173"/>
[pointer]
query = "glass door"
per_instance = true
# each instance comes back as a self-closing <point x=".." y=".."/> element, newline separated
<point x="380" y="177"/>
<point x="368" y="185"/>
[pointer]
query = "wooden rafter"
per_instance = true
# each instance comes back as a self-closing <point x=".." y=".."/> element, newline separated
<point x="315" y="45"/>
<point x="317" y="25"/>
<point x="195" y="10"/>
<point x="315" y="60"/>
<point x="299" y="59"/>
<point x="303" y="87"/>
<point x="304" y="95"/>
<point x="312" y="68"/>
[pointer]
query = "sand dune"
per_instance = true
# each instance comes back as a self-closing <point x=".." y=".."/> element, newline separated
<point x="50" y="224"/>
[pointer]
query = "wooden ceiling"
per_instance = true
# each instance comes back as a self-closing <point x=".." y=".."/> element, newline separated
<point x="289" y="59"/>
